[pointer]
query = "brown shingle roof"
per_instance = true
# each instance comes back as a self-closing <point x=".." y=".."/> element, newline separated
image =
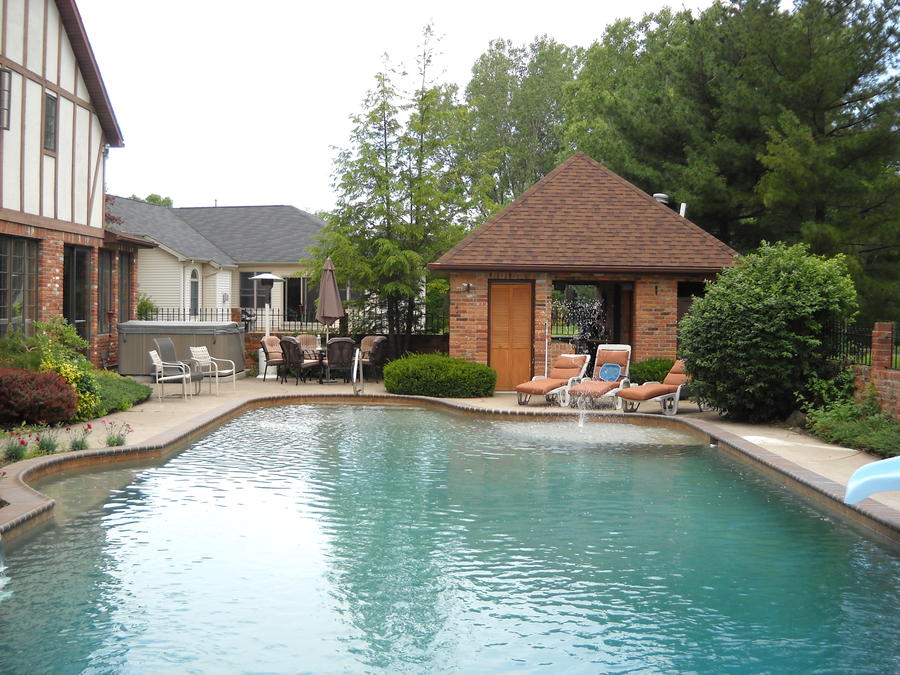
<point x="583" y="217"/>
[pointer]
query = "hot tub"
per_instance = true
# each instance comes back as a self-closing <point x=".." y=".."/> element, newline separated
<point x="224" y="340"/>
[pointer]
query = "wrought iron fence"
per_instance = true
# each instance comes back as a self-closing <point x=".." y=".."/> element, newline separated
<point x="850" y="343"/>
<point x="357" y="321"/>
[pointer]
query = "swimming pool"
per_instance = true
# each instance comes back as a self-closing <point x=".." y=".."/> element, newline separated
<point x="324" y="539"/>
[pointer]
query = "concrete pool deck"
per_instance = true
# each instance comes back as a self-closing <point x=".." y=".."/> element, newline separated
<point x="158" y="425"/>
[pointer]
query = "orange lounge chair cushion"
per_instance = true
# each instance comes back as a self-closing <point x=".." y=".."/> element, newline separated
<point x="542" y="387"/>
<point x="676" y="375"/>
<point x="644" y="392"/>
<point x="567" y="366"/>
<point x="594" y="388"/>
<point x="619" y="356"/>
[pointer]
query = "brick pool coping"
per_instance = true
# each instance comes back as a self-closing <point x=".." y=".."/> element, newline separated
<point x="24" y="507"/>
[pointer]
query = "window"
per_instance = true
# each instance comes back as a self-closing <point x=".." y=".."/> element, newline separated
<point x="49" y="123"/>
<point x="18" y="284"/>
<point x="253" y="294"/>
<point x="195" y="293"/>
<point x="104" y="291"/>
<point x="5" y="97"/>
<point x="124" y="287"/>
<point x="76" y="288"/>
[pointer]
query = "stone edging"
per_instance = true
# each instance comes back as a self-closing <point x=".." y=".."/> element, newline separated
<point x="26" y="507"/>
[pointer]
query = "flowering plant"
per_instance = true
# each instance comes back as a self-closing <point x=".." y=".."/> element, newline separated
<point x="14" y="446"/>
<point x="78" y="437"/>
<point x="116" y="431"/>
<point x="46" y="439"/>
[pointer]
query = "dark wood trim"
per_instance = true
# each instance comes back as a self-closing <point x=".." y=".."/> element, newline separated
<point x="572" y="269"/>
<point x="22" y="145"/>
<point x="31" y="220"/>
<point x="44" y="44"/>
<point x="92" y="189"/>
<point x="74" y="167"/>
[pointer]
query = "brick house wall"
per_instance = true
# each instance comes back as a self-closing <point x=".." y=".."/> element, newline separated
<point x="51" y="250"/>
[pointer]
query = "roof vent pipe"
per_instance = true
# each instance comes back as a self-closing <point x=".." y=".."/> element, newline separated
<point x="683" y="210"/>
<point x="661" y="197"/>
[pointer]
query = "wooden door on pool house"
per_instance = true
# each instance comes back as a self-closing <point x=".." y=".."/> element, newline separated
<point x="511" y="332"/>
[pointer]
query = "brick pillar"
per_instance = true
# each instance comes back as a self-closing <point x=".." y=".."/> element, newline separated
<point x="655" y="319"/>
<point x="543" y="293"/>
<point x="882" y="344"/>
<point x="468" y="316"/>
<point x="50" y="278"/>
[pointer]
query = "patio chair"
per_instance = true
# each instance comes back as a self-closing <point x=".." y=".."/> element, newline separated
<point x="339" y="356"/>
<point x="373" y="350"/>
<point x="166" y="349"/>
<point x="610" y="372"/>
<point x="214" y="368"/>
<point x="296" y="361"/>
<point x="566" y="369"/>
<point x="667" y="393"/>
<point x="163" y="371"/>
<point x="271" y="347"/>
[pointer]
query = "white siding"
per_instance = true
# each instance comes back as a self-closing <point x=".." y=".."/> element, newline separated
<point x="12" y="149"/>
<point x="159" y="277"/>
<point x="66" y="185"/>
<point x="34" y="96"/>
<point x="53" y="30"/>
<point x="216" y="282"/>
<point x="48" y="206"/>
<point x="95" y="197"/>
<point x="15" y="31"/>
<point x="64" y="156"/>
<point x="80" y="180"/>
<point x="67" y="65"/>
<point x="34" y="59"/>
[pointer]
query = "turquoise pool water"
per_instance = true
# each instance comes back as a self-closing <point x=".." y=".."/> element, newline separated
<point x="329" y="539"/>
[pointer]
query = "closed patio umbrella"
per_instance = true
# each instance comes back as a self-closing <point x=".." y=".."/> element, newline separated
<point x="330" y="308"/>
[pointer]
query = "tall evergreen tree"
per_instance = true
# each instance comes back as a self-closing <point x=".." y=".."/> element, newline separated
<point x="770" y="124"/>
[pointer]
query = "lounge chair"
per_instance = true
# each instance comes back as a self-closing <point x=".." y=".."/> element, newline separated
<point x="271" y="347"/>
<point x="214" y="368"/>
<point x="667" y="393"/>
<point x="610" y="374"/>
<point x="169" y="371"/>
<point x="566" y="368"/>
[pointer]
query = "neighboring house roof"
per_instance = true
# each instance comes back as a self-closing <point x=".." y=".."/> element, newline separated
<point x="71" y="20"/>
<point x="224" y="235"/>
<point x="582" y="217"/>
<point x="162" y="225"/>
<point x="256" y="234"/>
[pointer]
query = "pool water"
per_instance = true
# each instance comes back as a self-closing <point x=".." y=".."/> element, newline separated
<point x="336" y="539"/>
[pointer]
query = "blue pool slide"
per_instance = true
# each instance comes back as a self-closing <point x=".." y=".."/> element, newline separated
<point x="875" y="477"/>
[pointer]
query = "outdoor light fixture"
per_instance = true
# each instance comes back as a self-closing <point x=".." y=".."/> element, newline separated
<point x="5" y="96"/>
<point x="267" y="280"/>
<point x="467" y="287"/>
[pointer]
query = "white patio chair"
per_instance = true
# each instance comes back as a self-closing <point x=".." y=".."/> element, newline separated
<point x="214" y="368"/>
<point x="170" y="372"/>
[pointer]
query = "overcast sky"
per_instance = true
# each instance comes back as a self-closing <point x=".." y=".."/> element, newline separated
<point x="221" y="103"/>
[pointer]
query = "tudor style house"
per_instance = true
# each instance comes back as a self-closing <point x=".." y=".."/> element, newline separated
<point x="56" y="125"/>
<point x="581" y="229"/>
<point x="203" y="258"/>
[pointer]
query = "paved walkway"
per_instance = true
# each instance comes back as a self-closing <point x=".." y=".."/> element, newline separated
<point x="830" y="461"/>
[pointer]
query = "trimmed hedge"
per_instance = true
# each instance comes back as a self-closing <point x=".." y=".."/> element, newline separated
<point x="651" y="370"/>
<point x="440" y="376"/>
<point x="119" y="393"/>
<point x="32" y="398"/>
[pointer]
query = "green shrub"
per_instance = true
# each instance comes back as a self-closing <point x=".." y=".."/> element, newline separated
<point x="752" y="343"/>
<point x="30" y="398"/>
<point x="118" y="393"/>
<point x="146" y="308"/>
<point x="439" y="375"/>
<point x="857" y="424"/>
<point x="651" y="370"/>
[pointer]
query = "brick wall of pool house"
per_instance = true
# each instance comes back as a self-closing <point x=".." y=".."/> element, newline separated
<point x="654" y="321"/>
<point x="880" y="375"/>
